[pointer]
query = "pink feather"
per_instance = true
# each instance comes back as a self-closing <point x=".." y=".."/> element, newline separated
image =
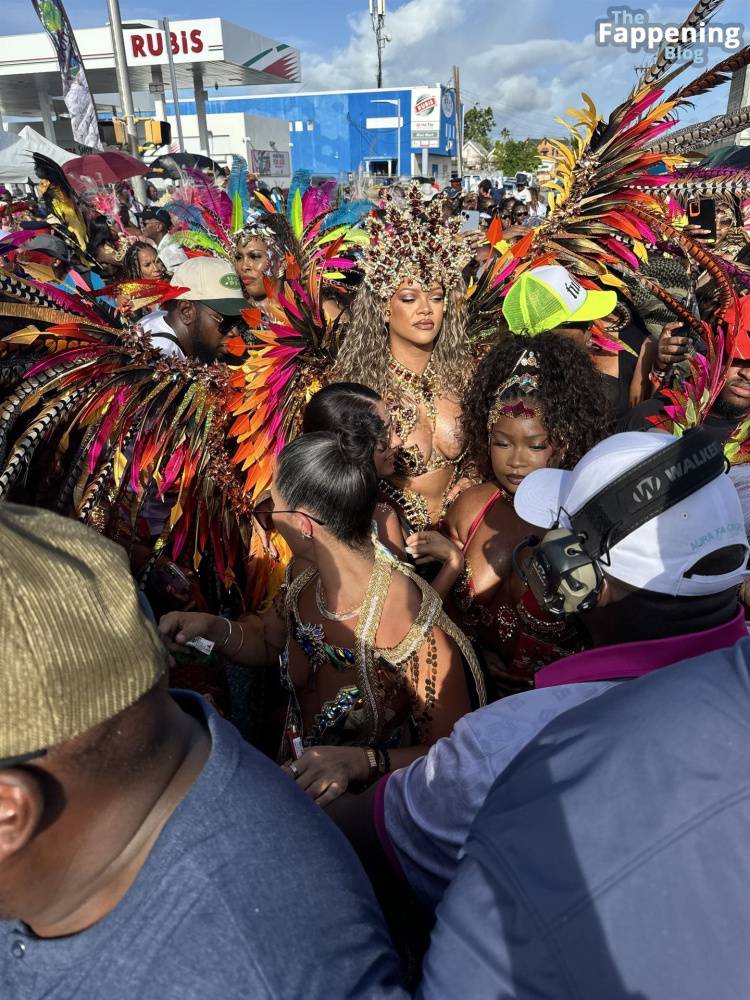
<point x="640" y="106"/>
<point x="171" y="470"/>
<point x="621" y="251"/>
<point x="212" y="197"/>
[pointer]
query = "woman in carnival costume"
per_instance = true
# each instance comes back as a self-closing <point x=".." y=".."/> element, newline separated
<point x="534" y="402"/>
<point x="407" y="339"/>
<point x="375" y="670"/>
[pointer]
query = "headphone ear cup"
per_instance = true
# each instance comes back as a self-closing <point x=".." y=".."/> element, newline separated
<point x="579" y="588"/>
<point x="583" y="596"/>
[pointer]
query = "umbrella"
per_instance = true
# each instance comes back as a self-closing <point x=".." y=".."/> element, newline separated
<point x="170" y="165"/>
<point x="109" y="167"/>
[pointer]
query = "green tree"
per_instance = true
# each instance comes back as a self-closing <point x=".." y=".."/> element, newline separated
<point x="516" y="154"/>
<point x="479" y="124"/>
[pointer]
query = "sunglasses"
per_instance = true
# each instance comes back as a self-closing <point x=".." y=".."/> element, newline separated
<point x="225" y="323"/>
<point x="265" y="517"/>
<point x="23" y="758"/>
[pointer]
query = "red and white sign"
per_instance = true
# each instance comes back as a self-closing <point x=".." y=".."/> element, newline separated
<point x="425" y="117"/>
<point x="190" y="41"/>
<point x="425" y="105"/>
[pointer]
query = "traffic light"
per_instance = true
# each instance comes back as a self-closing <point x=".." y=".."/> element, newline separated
<point x="158" y="133"/>
<point x="112" y="132"/>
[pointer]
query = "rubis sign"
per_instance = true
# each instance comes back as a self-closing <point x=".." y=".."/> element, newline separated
<point x="144" y="44"/>
<point x="425" y="117"/>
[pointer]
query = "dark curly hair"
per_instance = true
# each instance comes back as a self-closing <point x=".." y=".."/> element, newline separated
<point x="131" y="264"/>
<point x="570" y="394"/>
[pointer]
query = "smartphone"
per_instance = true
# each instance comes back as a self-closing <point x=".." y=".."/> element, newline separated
<point x="702" y="212"/>
<point x="469" y="221"/>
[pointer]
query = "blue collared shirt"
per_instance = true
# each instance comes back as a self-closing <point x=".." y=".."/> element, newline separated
<point x="426" y="810"/>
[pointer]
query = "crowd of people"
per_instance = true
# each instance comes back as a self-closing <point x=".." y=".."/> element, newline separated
<point x="373" y="576"/>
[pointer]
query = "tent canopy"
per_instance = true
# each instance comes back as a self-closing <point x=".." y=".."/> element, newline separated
<point x="16" y="155"/>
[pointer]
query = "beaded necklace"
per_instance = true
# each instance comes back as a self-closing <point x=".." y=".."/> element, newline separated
<point x="422" y="389"/>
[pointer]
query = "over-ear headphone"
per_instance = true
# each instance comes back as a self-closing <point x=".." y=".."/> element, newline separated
<point x="564" y="569"/>
<point x="562" y="577"/>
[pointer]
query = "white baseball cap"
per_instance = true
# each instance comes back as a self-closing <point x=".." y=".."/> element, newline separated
<point x="212" y="281"/>
<point x="657" y="555"/>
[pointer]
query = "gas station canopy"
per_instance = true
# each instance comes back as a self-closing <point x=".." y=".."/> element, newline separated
<point x="205" y="52"/>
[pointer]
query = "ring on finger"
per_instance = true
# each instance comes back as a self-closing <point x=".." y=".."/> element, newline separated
<point x="294" y="770"/>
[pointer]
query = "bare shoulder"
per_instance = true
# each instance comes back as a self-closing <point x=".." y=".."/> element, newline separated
<point x="462" y="512"/>
<point x="400" y="610"/>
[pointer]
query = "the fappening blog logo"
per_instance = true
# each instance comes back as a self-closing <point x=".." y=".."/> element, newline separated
<point x="631" y="28"/>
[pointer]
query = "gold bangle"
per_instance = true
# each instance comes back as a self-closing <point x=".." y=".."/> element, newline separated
<point x="372" y="762"/>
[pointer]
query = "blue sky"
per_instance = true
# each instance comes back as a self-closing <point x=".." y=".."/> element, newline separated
<point x="529" y="60"/>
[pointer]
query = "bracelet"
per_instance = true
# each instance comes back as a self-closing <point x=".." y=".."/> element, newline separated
<point x="384" y="760"/>
<point x="372" y="762"/>
<point x="229" y="632"/>
<point x="656" y="376"/>
<point x="242" y="638"/>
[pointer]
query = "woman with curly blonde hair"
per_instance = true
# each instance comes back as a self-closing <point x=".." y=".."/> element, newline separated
<point x="407" y="340"/>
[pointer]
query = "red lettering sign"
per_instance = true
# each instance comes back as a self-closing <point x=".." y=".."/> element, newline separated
<point x="152" y="43"/>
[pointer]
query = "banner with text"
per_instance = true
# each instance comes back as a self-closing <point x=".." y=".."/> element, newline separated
<point x="76" y="91"/>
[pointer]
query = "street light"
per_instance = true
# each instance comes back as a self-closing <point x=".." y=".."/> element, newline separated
<point x="396" y="102"/>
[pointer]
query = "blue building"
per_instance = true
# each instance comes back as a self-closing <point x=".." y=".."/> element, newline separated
<point x="409" y="131"/>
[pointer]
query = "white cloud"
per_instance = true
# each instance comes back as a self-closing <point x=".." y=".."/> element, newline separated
<point x="509" y="60"/>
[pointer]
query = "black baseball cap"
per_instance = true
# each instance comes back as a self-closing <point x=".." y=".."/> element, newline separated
<point x="51" y="245"/>
<point x="160" y="214"/>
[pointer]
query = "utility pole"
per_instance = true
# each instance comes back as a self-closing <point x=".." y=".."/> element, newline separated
<point x="459" y="123"/>
<point x="173" y="82"/>
<point x="377" y="17"/>
<point x="123" y="85"/>
<point x="121" y="68"/>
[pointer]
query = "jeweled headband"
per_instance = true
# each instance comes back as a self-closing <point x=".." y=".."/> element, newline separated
<point x="523" y="381"/>
<point x="410" y="241"/>
<point x="274" y="252"/>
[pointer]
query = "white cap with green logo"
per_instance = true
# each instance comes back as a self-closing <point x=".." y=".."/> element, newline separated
<point x="213" y="281"/>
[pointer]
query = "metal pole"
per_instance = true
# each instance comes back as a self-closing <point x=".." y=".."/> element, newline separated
<point x="459" y="123"/>
<point x="377" y="18"/>
<point x="121" y="68"/>
<point x="398" y="140"/>
<point x="173" y="82"/>
<point x="379" y="36"/>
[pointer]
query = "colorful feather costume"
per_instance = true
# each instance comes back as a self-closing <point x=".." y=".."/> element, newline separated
<point x="620" y="194"/>
<point x="126" y="433"/>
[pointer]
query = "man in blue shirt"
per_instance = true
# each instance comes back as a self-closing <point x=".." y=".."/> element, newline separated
<point x="145" y="850"/>
<point x="609" y="861"/>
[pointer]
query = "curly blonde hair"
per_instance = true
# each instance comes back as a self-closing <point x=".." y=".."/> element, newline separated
<point x="365" y="352"/>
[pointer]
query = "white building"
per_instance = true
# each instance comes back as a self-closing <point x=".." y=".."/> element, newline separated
<point x="263" y="141"/>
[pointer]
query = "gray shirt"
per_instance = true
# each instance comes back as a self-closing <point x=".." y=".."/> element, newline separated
<point x="249" y="893"/>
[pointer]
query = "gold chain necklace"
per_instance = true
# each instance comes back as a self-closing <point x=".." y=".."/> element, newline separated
<point x="333" y="616"/>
